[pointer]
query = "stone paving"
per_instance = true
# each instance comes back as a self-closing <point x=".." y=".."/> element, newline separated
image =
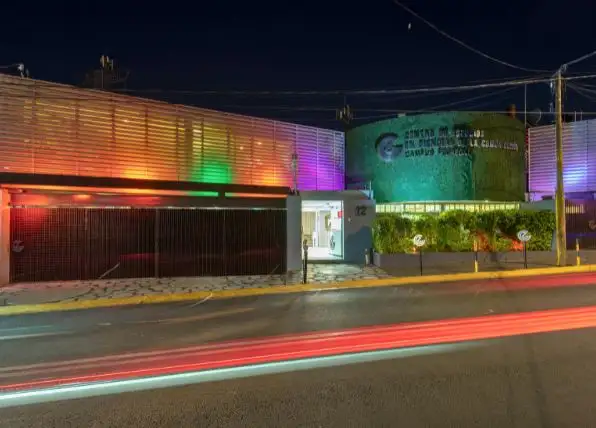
<point x="61" y="291"/>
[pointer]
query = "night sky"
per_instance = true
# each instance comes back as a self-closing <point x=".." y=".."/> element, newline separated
<point x="307" y="45"/>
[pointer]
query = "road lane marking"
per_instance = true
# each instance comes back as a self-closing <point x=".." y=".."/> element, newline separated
<point x="33" y="327"/>
<point x="201" y="317"/>
<point x="202" y="301"/>
<point x="27" y="336"/>
<point x="20" y="398"/>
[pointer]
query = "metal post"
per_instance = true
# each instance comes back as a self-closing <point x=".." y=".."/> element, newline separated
<point x="305" y="262"/>
<point x="525" y="256"/>
<point x="560" y="191"/>
<point x="420" y="258"/>
<point x="578" y="261"/>
<point x="475" y="256"/>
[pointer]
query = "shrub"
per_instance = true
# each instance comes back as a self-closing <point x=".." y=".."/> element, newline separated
<point x="456" y="231"/>
<point x="392" y="233"/>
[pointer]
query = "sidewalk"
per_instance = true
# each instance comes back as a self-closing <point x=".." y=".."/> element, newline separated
<point x="72" y="295"/>
<point x="74" y="291"/>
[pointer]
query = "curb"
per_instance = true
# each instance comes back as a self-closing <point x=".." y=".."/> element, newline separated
<point x="287" y="289"/>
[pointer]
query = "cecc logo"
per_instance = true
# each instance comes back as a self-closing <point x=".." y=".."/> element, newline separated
<point x="388" y="147"/>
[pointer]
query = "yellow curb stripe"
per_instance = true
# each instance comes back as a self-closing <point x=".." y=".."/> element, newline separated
<point x="287" y="289"/>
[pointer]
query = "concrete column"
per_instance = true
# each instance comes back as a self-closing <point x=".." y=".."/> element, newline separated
<point x="294" y="226"/>
<point x="359" y="215"/>
<point x="4" y="237"/>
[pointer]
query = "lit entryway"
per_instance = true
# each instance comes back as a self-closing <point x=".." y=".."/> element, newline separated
<point x="322" y="228"/>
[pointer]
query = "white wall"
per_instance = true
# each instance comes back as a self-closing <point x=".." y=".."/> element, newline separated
<point x="358" y="218"/>
<point x="294" y="225"/>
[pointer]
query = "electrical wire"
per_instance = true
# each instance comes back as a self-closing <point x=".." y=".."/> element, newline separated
<point x="425" y="90"/>
<point x="590" y="113"/>
<point x="584" y="88"/>
<point x="580" y="91"/>
<point x="440" y="109"/>
<point x="463" y="44"/>
<point x="577" y="60"/>
<point x="479" y="97"/>
<point x="420" y="90"/>
<point x="354" y="107"/>
<point x="428" y="90"/>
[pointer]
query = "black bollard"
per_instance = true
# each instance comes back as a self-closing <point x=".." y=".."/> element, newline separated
<point x="305" y="262"/>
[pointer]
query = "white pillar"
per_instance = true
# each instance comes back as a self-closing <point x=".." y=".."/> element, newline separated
<point x="294" y="226"/>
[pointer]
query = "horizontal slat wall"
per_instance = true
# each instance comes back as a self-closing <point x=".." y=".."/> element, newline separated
<point x="591" y="157"/>
<point x="541" y="159"/>
<point x="579" y="157"/>
<point x="47" y="128"/>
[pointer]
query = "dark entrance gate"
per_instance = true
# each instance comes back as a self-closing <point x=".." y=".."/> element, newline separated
<point x="581" y="223"/>
<point x="72" y="243"/>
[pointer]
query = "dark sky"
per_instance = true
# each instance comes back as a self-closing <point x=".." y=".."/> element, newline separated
<point x="321" y="45"/>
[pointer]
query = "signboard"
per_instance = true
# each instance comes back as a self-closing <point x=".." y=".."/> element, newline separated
<point x="524" y="235"/>
<point x="443" y="141"/>
<point x="419" y="241"/>
<point x="361" y="210"/>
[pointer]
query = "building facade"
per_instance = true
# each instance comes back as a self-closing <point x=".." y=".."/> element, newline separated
<point x="579" y="160"/>
<point x="439" y="158"/>
<point x="47" y="128"/>
<point x="100" y="185"/>
<point x="579" y="176"/>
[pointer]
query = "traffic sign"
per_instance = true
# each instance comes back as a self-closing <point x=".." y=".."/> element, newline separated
<point x="419" y="241"/>
<point x="524" y="235"/>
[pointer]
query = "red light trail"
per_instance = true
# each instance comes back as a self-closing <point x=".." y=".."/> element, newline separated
<point x="299" y="346"/>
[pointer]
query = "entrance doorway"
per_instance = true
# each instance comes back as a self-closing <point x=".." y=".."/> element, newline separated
<point x="322" y="228"/>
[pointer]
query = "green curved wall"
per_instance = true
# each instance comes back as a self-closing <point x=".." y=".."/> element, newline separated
<point x="439" y="157"/>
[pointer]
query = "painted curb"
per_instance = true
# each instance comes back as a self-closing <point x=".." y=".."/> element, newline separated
<point x="287" y="289"/>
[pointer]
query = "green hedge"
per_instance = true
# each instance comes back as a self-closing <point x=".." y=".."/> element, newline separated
<point x="456" y="231"/>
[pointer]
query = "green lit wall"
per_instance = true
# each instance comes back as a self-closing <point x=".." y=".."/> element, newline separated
<point x="439" y="157"/>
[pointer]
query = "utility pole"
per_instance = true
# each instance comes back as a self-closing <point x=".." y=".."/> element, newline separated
<point x="345" y="116"/>
<point x="561" y="238"/>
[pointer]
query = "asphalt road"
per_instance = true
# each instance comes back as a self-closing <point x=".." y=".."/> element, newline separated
<point x="40" y="338"/>
<point x="545" y="380"/>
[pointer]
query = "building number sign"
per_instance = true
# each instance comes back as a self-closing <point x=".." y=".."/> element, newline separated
<point x="361" y="210"/>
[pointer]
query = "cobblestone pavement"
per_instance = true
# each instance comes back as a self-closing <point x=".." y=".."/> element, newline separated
<point x="59" y="291"/>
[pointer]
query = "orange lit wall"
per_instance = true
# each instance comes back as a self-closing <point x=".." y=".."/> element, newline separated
<point x="46" y="128"/>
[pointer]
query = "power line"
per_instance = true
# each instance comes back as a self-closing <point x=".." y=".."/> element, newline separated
<point x="426" y="90"/>
<point x="479" y="97"/>
<point x="420" y="90"/>
<point x="504" y="112"/>
<point x="465" y="45"/>
<point x="323" y="109"/>
<point x="580" y="59"/>
<point x="580" y="91"/>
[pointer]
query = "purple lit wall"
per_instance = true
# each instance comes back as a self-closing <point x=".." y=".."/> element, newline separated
<point x="579" y="158"/>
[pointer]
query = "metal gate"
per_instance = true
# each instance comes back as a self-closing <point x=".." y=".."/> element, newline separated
<point x="91" y="243"/>
<point x="581" y="223"/>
